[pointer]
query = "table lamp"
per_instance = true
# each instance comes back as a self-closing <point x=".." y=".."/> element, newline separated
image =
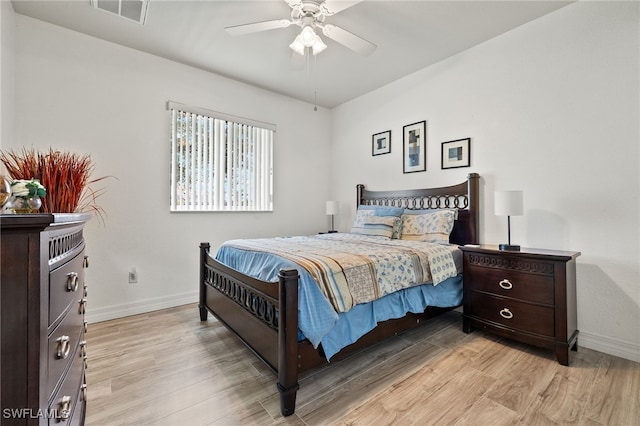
<point x="509" y="203"/>
<point x="332" y="209"/>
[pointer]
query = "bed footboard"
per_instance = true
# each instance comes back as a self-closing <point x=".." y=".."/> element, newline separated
<point x="262" y="314"/>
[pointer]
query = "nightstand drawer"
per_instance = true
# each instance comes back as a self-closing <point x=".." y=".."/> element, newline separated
<point x="506" y="283"/>
<point x="511" y="313"/>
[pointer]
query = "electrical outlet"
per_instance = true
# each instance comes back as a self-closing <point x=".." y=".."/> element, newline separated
<point x="133" y="276"/>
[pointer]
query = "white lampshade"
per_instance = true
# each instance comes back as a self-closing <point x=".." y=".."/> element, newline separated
<point x="307" y="36"/>
<point x="332" y="207"/>
<point x="297" y="46"/>
<point x="508" y="203"/>
<point x="318" y="45"/>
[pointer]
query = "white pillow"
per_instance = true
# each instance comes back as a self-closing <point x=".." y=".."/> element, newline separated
<point x="433" y="227"/>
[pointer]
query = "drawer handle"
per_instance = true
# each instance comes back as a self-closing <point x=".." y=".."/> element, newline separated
<point x="83" y="352"/>
<point x="83" y="389"/>
<point x="65" y="407"/>
<point x="83" y="305"/>
<point x="85" y="263"/>
<point x="506" y="313"/>
<point x="86" y="326"/>
<point x="63" y="347"/>
<point x="506" y="284"/>
<point x="72" y="281"/>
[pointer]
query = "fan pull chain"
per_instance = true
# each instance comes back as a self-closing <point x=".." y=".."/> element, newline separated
<point x="315" y="84"/>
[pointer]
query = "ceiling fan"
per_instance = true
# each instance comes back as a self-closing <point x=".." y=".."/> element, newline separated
<point x="309" y="15"/>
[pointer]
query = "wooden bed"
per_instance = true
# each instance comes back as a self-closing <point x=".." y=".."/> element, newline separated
<point x="264" y="315"/>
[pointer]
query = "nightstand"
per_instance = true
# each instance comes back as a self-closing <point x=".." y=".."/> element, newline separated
<point x="527" y="295"/>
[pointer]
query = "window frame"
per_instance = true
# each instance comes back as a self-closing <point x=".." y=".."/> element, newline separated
<point x="227" y="183"/>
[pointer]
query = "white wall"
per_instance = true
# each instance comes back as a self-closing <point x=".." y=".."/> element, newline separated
<point x="551" y="108"/>
<point x="7" y="41"/>
<point x="82" y="94"/>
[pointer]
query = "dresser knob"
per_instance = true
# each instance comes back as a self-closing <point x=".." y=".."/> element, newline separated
<point x="83" y="389"/>
<point x="83" y="348"/>
<point x="65" y="408"/>
<point x="72" y="281"/>
<point x="505" y="284"/>
<point x="83" y="305"/>
<point x="85" y="263"/>
<point x="63" y="347"/>
<point x="506" y="313"/>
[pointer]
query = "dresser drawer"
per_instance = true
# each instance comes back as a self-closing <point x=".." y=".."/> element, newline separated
<point x="508" y="283"/>
<point x="68" y="402"/>
<point x="63" y="347"/>
<point x="511" y="313"/>
<point x="66" y="285"/>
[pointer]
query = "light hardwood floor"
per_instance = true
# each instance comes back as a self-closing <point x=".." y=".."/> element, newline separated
<point x="168" y="368"/>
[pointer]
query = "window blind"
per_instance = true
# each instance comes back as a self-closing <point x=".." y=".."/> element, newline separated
<point x="220" y="162"/>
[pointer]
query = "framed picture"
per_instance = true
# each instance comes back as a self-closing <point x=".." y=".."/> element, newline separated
<point x="381" y="143"/>
<point x="415" y="147"/>
<point x="456" y="153"/>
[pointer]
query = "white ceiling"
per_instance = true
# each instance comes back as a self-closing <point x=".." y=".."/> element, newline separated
<point x="410" y="35"/>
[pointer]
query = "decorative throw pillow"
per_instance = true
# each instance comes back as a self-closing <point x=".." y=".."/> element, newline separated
<point x="380" y="211"/>
<point x="378" y="226"/>
<point x="433" y="227"/>
<point x="361" y="215"/>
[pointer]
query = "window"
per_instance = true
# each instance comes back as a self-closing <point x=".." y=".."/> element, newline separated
<point x="219" y="162"/>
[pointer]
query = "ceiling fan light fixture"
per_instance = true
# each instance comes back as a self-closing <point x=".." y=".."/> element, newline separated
<point x="297" y="46"/>
<point x="308" y="36"/>
<point x="318" y="45"/>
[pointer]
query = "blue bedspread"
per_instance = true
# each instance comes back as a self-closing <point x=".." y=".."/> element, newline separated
<point x="317" y="319"/>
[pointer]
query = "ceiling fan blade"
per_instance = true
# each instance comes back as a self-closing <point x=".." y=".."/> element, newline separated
<point x="237" y="30"/>
<point x="348" y="39"/>
<point x="334" y="6"/>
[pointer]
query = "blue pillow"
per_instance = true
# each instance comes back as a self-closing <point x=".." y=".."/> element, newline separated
<point x="383" y="210"/>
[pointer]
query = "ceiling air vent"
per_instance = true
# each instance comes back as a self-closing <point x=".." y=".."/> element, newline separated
<point x="134" y="10"/>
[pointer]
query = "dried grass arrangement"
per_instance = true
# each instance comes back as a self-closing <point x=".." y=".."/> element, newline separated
<point x="65" y="175"/>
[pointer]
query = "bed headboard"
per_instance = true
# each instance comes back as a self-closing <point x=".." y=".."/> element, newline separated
<point x="463" y="196"/>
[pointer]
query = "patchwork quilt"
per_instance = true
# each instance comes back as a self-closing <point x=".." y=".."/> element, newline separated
<point x="352" y="269"/>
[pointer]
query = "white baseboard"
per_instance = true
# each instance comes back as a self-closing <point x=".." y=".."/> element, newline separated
<point x="150" y="305"/>
<point x="609" y="345"/>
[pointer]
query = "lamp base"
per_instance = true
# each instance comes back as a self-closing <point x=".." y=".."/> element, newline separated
<point x="509" y="247"/>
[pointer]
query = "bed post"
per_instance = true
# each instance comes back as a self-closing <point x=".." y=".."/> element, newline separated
<point x="288" y="340"/>
<point x="359" y="188"/>
<point x="202" y="304"/>
<point x="473" y="194"/>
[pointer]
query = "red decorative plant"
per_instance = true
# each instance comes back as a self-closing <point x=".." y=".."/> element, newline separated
<point x="65" y="175"/>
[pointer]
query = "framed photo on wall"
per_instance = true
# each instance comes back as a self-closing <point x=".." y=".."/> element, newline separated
<point x="414" y="138"/>
<point x="456" y="153"/>
<point x="381" y="143"/>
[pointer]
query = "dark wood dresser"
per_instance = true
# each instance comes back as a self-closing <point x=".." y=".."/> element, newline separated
<point x="42" y="302"/>
<point x="527" y="295"/>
